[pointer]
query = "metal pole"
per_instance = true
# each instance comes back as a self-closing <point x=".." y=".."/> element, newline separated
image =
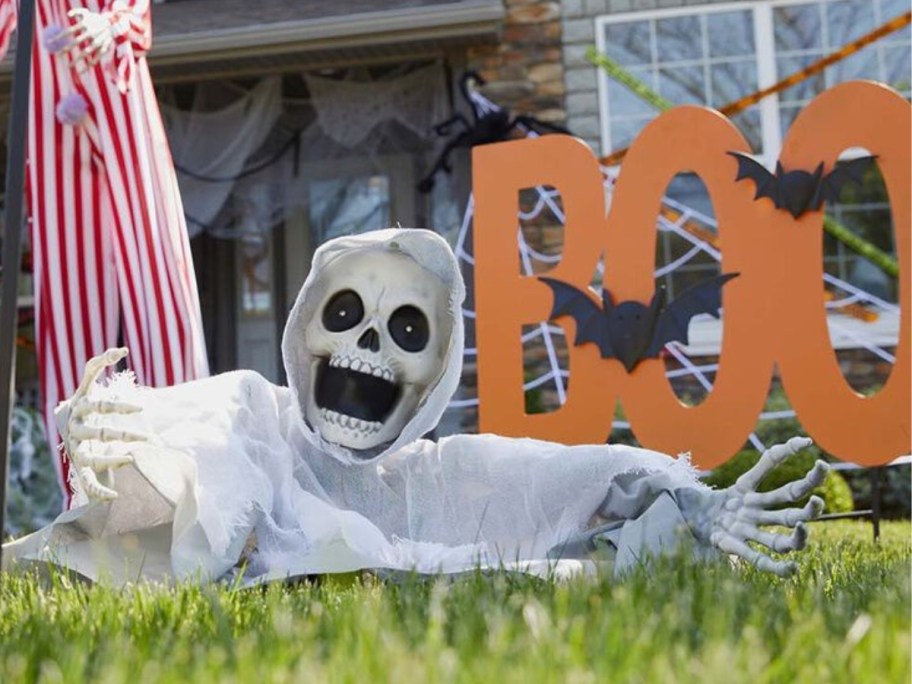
<point x="875" y="501"/>
<point x="17" y="140"/>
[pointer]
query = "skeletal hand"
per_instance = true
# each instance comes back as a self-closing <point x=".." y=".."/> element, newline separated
<point x="93" y="449"/>
<point x="731" y="517"/>
<point x="91" y="36"/>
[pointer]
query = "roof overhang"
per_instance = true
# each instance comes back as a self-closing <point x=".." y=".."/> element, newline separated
<point x="466" y="20"/>
<point x="405" y="32"/>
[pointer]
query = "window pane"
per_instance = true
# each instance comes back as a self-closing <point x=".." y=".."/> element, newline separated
<point x="787" y="116"/>
<point x="623" y="131"/>
<point x="348" y="206"/>
<point x="797" y="27"/>
<point x="898" y="68"/>
<point x="748" y="123"/>
<point x="730" y="34"/>
<point x="688" y="189"/>
<point x="731" y="80"/>
<point x="860" y="65"/>
<point x="622" y="102"/>
<point x="848" y="20"/>
<point x="679" y="38"/>
<point x="628" y="43"/>
<point x="890" y="9"/>
<point x="683" y="85"/>
<point x="806" y="89"/>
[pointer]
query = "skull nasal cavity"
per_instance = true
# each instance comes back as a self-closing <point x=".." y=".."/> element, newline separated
<point x="370" y="340"/>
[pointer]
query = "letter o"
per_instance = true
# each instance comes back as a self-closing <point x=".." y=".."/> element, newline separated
<point x="695" y="139"/>
<point x="868" y="430"/>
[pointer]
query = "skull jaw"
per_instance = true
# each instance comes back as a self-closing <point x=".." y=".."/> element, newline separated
<point x="355" y="432"/>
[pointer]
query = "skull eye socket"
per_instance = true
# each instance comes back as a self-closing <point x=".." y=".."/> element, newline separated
<point x="343" y="311"/>
<point x="409" y="328"/>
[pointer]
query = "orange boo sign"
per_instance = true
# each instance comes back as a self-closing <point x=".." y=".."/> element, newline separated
<point x="774" y="312"/>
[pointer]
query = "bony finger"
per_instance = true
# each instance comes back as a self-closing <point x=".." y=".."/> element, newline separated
<point x="781" y="543"/>
<point x="796" y="444"/>
<point x="95" y="366"/>
<point x="103" y="406"/>
<point x="792" y="516"/>
<point x="93" y="455"/>
<point x="112" y="356"/>
<point x="105" y="434"/>
<point x="818" y="473"/>
<point x="799" y="537"/>
<point x="814" y="478"/>
<point x="769" y="459"/>
<point x="814" y="507"/>
<point x="99" y="462"/>
<point x="92" y="487"/>
<point x="791" y="492"/>
<point x="781" y="568"/>
<point x="730" y="544"/>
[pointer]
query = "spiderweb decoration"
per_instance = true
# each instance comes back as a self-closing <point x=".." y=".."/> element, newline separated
<point x="544" y="342"/>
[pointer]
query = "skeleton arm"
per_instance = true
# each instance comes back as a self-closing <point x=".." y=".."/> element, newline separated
<point x="94" y="449"/>
<point x="531" y="498"/>
<point x="731" y="517"/>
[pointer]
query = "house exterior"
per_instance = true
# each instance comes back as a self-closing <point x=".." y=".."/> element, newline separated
<point x="292" y="121"/>
<point x="361" y="84"/>
<point x="713" y="52"/>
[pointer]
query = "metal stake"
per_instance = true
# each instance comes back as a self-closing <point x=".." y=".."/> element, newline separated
<point x="12" y="240"/>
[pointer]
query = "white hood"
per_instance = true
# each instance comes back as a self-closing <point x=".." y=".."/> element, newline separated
<point x="431" y="252"/>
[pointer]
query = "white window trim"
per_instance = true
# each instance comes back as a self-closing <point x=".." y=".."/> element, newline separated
<point x="765" y="54"/>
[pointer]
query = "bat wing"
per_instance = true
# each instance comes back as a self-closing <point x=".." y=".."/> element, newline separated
<point x="851" y="171"/>
<point x="589" y="316"/>
<point x="705" y="297"/>
<point x="766" y="182"/>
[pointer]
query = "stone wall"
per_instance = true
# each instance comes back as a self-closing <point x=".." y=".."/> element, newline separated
<point x="580" y="77"/>
<point x="525" y="71"/>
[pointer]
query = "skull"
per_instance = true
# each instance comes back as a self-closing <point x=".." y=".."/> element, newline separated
<point x="377" y="340"/>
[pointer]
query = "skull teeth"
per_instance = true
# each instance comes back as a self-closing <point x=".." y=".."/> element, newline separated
<point x="350" y="423"/>
<point x="361" y="366"/>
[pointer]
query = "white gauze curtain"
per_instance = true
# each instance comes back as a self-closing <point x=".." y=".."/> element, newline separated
<point x="217" y="144"/>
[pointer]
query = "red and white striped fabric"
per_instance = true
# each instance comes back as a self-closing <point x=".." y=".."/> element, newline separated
<point x="109" y="241"/>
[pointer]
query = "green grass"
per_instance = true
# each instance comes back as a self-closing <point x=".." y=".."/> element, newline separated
<point x="844" y="618"/>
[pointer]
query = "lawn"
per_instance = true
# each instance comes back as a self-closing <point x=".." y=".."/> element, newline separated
<point x="844" y="618"/>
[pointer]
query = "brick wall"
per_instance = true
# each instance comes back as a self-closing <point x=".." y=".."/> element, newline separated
<point x="581" y="85"/>
<point x="524" y="71"/>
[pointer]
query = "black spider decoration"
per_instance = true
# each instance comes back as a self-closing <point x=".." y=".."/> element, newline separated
<point x="486" y="127"/>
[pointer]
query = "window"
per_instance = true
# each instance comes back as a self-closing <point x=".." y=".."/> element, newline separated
<point x="806" y="32"/>
<point x="718" y="53"/>
<point x="705" y="58"/>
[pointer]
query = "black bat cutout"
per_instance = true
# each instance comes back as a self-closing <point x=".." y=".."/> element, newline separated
<point x="631" y="331"/>
<point x="799" y="191"/>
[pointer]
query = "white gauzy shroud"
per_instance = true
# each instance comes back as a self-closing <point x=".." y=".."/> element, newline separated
<point x="545" y="333"/>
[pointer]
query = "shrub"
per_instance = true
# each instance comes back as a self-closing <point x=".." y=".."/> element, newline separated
<point x="34" y="497"/>
<point x="834" y="491"/>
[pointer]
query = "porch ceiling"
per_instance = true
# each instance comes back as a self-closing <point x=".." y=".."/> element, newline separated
<point x="197" y="39"/>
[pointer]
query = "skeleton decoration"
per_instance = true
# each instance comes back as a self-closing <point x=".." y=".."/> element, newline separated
<point x="331" y="475"/>
<point x="374" y="349"/>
